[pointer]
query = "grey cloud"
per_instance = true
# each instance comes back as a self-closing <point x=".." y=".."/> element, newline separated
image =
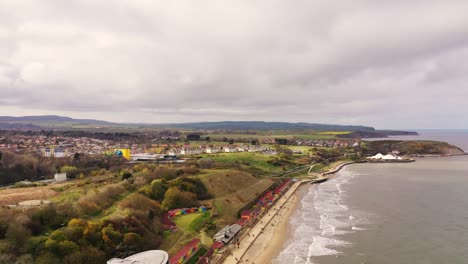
<point x="388" y="64"/>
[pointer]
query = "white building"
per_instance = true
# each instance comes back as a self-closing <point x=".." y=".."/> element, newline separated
<point x="60" y="177"/>
<point x="172" y="152"/>
<point x="230" y="149"/>
<point x="146" y="257"/>
<point x="191" y="151"/>
<point x="146" y="157"/>
<point x="212" y="150"/>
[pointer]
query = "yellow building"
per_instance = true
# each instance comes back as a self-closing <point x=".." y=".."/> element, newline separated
<point x="123" y="152"/>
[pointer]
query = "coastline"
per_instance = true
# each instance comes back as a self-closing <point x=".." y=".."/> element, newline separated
<point x="268" y="245"/>
<point x="273" y="231"/>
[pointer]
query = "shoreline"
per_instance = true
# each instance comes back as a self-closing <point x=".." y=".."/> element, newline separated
<point x="269" y="244"/>
<point x="254" y="239"/>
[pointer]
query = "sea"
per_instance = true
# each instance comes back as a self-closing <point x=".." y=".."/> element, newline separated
<point x="386" y="213"/>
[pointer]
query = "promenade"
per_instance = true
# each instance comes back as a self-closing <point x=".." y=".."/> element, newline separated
<point x="251" y="235"/>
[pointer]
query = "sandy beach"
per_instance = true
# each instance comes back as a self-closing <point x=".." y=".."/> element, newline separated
<point x="264" y="241"/>
<point x="268" y="245"/>
<point x="254" y="242"/>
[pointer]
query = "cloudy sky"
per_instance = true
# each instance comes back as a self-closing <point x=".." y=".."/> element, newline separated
<point x="389" y="64"/>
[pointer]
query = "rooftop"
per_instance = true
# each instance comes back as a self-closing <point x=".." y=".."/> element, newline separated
<point x="146" y="257"/>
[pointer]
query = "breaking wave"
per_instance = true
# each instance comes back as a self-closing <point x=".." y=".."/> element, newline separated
<point x="320" y="220"/>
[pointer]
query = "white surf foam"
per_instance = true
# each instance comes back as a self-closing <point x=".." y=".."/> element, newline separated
<point x="320" y="220"/>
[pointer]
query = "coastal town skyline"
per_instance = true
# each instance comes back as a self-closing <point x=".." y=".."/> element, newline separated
<point x="396" y="65"/>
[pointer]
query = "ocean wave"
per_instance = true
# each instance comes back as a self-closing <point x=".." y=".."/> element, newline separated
<point x="321" y="218"/>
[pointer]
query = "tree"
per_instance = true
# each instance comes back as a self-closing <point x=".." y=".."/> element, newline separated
<point x="17" y="232"/>
<point x="77" y="157"/>
<point x="281" y="141"/>
<point x="158" y="188"/>
<point x="175" y="198"/>
<point x="67" y="247"/>
<point x="111" y="236"/>
<point x="127" y="175"/>
<point x="193" y="137"/>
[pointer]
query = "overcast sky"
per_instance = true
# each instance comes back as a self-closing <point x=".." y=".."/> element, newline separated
<point x="389" y="64"/>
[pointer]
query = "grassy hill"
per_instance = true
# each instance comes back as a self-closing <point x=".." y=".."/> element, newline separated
<point x="232" y="189"/>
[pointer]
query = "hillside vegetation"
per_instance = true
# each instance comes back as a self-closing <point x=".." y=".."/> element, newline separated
<point x="231" y="190"/>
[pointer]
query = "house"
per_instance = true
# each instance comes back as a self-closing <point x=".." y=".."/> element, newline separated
<point x="59" y="152"/>
<point x="212" y="150"/>
<point x="191" y="151"/>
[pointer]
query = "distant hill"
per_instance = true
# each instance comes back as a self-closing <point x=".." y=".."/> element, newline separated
<point x="48" y="121"/>
<point x="52" y="119"/>
<point x="261" y="125"/>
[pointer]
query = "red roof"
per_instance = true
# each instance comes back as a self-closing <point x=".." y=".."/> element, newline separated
<point x="217" y="245"/>
<point x="241" y="222"/>
<point x="184" y="251"/>
<point x="246" y="213"/>
<point x="167" y="221"/>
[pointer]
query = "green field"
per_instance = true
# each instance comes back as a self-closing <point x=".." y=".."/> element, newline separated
<point x="288" y="135"/>
<point x="191" y="222"/>
<point x="256" y="160"/>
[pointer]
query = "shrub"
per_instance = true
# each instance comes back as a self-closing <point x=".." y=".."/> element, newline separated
<point x="67" y="247"/>
<point x="158" y="188"/>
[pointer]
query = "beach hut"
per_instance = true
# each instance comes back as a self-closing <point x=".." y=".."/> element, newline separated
<point x="246" y="214"/>
<point x="186" y="252"/>
<point x="217" y="245"/>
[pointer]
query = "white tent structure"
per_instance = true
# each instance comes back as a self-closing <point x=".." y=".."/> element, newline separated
<point x="376" y="157"/>
<point x="389" y="157"/>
